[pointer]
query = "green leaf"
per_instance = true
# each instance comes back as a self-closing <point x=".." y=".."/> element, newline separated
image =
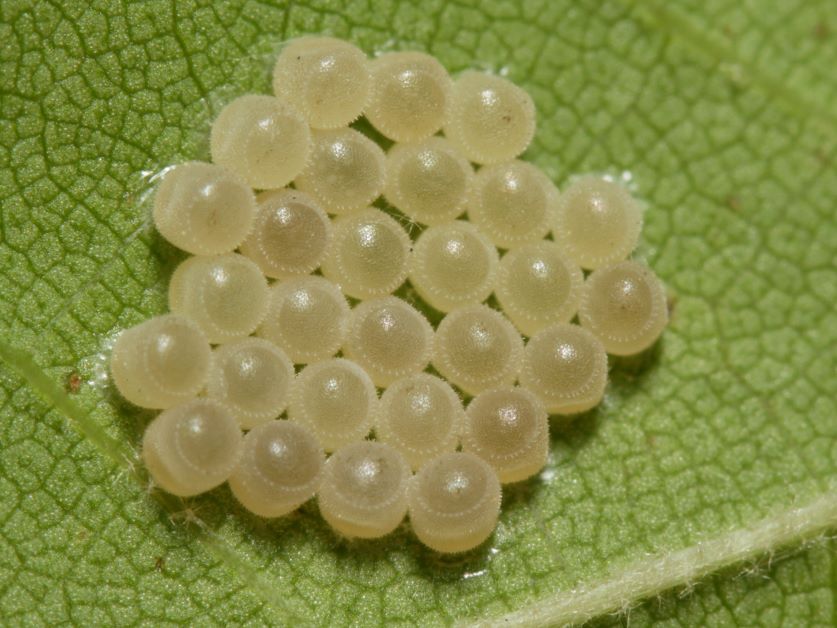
<point x="783" y="590"/>
<point x="714" y="450"/>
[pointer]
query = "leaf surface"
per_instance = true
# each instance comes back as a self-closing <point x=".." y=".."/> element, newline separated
<point x="721" y="115"/>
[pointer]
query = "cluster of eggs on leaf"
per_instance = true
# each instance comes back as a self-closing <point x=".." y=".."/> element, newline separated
<point x="292" y="276"/>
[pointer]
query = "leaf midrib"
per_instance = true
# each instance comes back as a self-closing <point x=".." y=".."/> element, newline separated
<point x="651" y="576"/>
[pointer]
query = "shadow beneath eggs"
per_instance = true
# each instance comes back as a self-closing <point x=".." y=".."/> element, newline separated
<point x="629" y="369"/>
<point x="134" y="419"/>
<point x="455" y="567"/>
<point x="306" y="526"/>
<point x="572" y="432"/>
<point x="305" y="520"/>
<point x="364" y="126"/>
<point x="518" y="494"/>
<point x="568" y="434"/>
<point x="168" y="256"/>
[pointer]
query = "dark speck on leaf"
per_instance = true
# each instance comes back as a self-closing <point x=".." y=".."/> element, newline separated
<point x="821" y="30"/>
<point x="73" y="382"/>
<point x="822" y="156"/>
<point x="671" y="303"/>
<point x="734" y="203"/>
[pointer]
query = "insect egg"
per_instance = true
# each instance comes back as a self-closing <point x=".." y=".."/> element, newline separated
<point x="262" y="140"/>
<point x="327" y="79"/>
<point x="252" y="378"/>
<point x="193" y="447"/>
<point x="597" y="222"/>
<point x="454" y="502"/>
<point x="203" y="209"/>
<point x="409" y="96"/>
<point x="453" y="265"/>
<point x="538" y="285"/>
<point x="368" y="255"/>
<point x="290" y="234"/>
<point x="512" y="203"/>
<point x="364" y="490"/>
<point x="161" y="362"/>
<point x="307" y="317"/>
<point x="490" y="119"/>
<point x="428" y="180"/>
<point x="624" y="305"/>
<point x="389" y="338"/>
<point x="346" y="170"/>
<point x="509" y="429"/>
<point x="281" y="468"/>
<point x="476" y="348"/>
<point x="226" y="295"/>
<point x="336" y="400"/>
<point x="566" y="366"/>
<point x="421" y="416"/>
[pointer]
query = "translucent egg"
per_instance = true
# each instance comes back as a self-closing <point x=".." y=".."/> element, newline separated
<point x="192" y="448"/>
<point x="336" y="400"/>
<point x="428" y="180"/>
<point x="346" y="171"/>
<point x="476" y="348"/>
<point x="252" y="378"/>
<point x="364" y="490"/>
<point x="597" y="222"/>
<point x="368" y="255"/>
<point x="453" y="265"/>
<point x="389" y="338"/>
<point x="290" y="234"/>
<point x="262" y="140"/>
<point x="624" y="305"/>
<point x="203" y="209"/>
<point x="226" y="295"/>
<point x="509" y="429"/>
<point x="161" y="362"/>
<point x="307" y="318"/>
<point x="421" y="416"/>
<point x="327" y="79"/>
<point x="566" y="366"/>
<point x="538" y="285"/>
<point x="513" y="203"/>
<point x="281" y="468"/>
<point x="409" y="96"/>
<point x="454" y="502"/>
<point x="490" y="118"/>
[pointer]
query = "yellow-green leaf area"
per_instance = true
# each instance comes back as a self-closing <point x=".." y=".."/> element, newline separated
<point x="722" y="115"/>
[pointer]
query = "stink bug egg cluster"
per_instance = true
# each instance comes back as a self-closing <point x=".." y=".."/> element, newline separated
<point x="289" y="369"/>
